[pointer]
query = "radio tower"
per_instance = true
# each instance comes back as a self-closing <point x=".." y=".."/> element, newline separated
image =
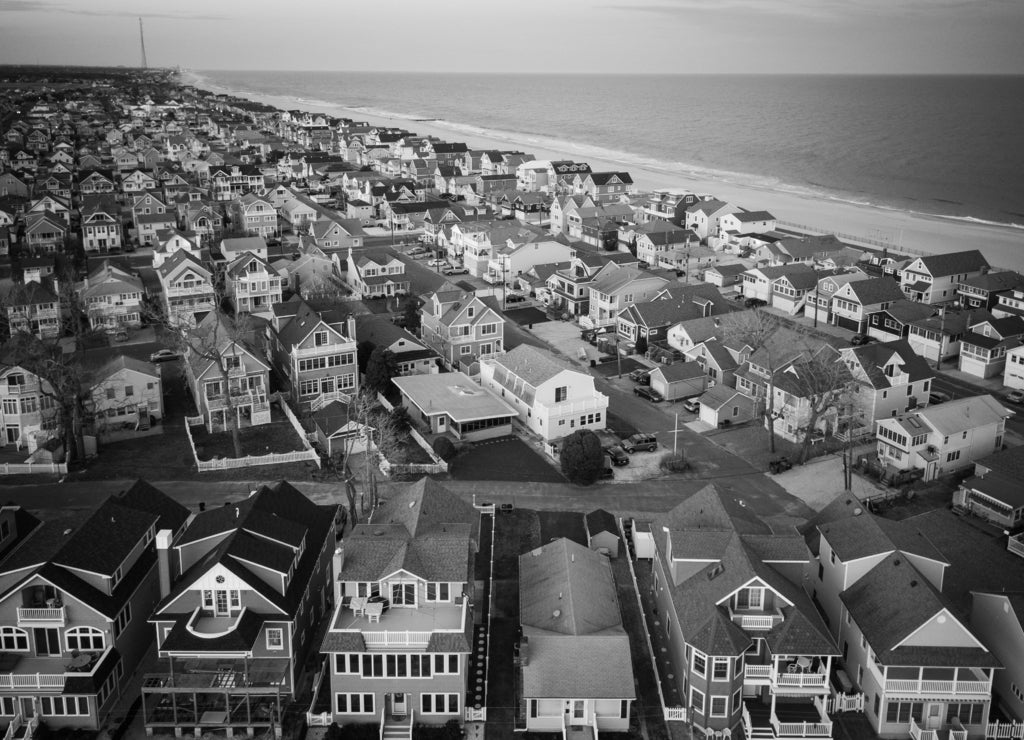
<point x="142" y="43"/>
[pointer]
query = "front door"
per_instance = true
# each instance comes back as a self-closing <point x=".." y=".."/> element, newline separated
<point x="399" y="705"/>
<point x="220" y="603"/>
<point x="28" y="707"/>
<point x="933" y="720"/>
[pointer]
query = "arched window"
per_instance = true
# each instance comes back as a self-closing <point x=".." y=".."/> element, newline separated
<point x="84" y="638"/>
<point x="12" y="638"/>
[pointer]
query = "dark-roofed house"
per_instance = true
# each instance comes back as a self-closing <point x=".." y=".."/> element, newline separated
<point x="890" y="379"/>
<point x="187" y="288"/>
<point x="746" y="645"/>
<point x="984" y="291"/>
<point x="461" y="327"/>
<point x="551" y="399"/>
<point x="412" y="355"/>
<point x="936" y="278"/>
<point x="399" y="640"/>
<point x="33" y="307"/>
<point x="894" y="322"/>
<point x="248" y="583"/>
<point x="575" y="666"/>
<point x="652" y="319"/>
<point x="73" y="606"/>
<point x="880" y="584"/>
<point x="984" y="346"/>
<point x="854" y="302"/>
<point x="995" y="492"/>
<point x="314" y="353"/>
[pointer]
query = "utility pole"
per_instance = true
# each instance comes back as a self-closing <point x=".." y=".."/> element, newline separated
<point x="942" y="337"/>
<point x="142" y="44"/>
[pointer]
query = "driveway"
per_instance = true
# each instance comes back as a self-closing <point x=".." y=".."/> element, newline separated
<point x="527" y="316"/>
<point x="505" y="459"/>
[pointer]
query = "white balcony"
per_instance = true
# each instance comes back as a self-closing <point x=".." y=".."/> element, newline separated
<point x="199" y="292"/>
<point x="402" y="627"/>
<point x="28" y="616"/>
<point x="303" y="353"/>
<point x="566" y="408"/>
<point x="755" y="621"/>
<point x="801" y="681"/>
<point x="911" y="686"/>
<point x="761" y="674"/>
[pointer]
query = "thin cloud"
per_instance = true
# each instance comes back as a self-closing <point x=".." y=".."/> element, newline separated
<point x="27" y="6"/>
<point x="822" y="9"/>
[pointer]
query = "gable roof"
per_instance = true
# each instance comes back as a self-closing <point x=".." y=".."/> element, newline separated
<point x="953" y="263"/>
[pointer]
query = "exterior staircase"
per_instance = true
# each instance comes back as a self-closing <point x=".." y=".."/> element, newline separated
<point x="760" y="724"/>
<point x="397" y="728"/>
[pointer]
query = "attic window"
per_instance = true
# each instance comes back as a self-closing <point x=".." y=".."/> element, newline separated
<point x="320" y="338"/>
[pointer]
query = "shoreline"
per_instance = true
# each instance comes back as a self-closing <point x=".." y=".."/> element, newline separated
<point x="875" y="226"/>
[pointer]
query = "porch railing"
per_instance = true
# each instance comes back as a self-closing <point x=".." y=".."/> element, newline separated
<point x="956" y="730"/>
<point x="32" y="680"/>
<point x="747" y="726"/>
<point x="675" y="714"/>
<point x="396" y="639"/>
<point x="802" y="729"/>
<point x="916" y="686"/>
<point x="802" y="680"/>
<point x="325" y="398"/>
<point x="919" y="733"/>
<point x="757" y="672"/>
<point x="48" y="614"/>
<point x="1004" y="730"/>
<point x="1016" y="544"/>
<point x="846" y="703"/>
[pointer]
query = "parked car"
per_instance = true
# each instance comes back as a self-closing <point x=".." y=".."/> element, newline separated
<point x="607" y="472"/>
<point x="514" y="298"/>
<point x="437" y="263"/>
<point x="641" y="376"/>
<point x="692" y="405"/>
<point x="591" y="335"/>
<point x="506" y="508"/>
<point x="453" y="270"/>
<point x="938" y="397"/>
<point x="779" y="465"/>
<point x="646" y="392"/>
<point x="121" y="336"/>
<point x="416" y="251"/>
<point x="640" y="441"/>
<point x="618" y="455"/>
<point x="1015" y="396"/>
<point x="859" y="339"/>
<point x="164" y="355"/>
<point x="754" y="303"/>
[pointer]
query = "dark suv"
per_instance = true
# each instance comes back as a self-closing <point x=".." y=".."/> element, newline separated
<point x="618" y="455"/>
<point x="640" y="441"/>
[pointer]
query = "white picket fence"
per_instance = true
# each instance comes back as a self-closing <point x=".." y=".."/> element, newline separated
<point x="846" y="703"/>
<point x="1005" y="730"/>
<point x="49" y="468"/>
<point x="228" y="463"/>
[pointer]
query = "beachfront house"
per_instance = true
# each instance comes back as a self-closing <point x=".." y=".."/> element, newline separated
<point x="936" y="278"/>
<point x="703" y="217"/>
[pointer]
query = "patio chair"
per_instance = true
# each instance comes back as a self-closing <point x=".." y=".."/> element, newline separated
<point x="374" y="611"/>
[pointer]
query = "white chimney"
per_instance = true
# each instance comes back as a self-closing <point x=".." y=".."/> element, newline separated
<point x="163" y="560"/>
<point x="338" y="562"/>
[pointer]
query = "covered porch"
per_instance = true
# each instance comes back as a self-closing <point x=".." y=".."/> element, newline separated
<point x="791" y="718"/>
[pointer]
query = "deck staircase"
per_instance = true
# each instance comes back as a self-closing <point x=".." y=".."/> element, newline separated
<point x="760" y="725"/>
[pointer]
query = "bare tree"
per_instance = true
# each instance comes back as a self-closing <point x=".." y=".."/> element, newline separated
<point x="815" y="385"/>
<point x="759" y="331"/>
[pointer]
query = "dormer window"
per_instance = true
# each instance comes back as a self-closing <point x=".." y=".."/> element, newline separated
<point x="750" y="598"/>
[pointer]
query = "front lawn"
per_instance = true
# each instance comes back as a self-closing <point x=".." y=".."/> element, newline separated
<point x="265" y="439"/>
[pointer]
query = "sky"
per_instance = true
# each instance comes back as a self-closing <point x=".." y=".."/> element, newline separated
<point x="560" y="36"/>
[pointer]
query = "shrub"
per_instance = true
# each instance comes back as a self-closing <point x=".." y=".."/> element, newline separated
<point x="641" y="345"/>
<point x="581" y="457"/>
<point x="444" y="448"/>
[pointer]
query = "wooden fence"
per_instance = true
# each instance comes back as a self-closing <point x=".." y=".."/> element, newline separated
<point x="229" y="463"/>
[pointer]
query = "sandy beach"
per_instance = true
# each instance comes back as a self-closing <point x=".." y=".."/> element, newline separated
<point x="905" y="231"/>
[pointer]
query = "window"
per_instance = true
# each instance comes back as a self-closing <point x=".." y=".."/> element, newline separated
<point x="13" y="639"/>
<point x="403" y="594"/>
<point x="561" y="393"/>
<point x="439" y="703"/>
<point x="353" y="703"/>
<point x="902" y="711"/>
<point x="720" y="669"/>
<point x="122" y="620"/>
<point x="465" y="350"/>
<point x="84" y="638"/>
<point x="111" y="394"/>
<point x="320" y="338"/>
<point x="439" y="592"/>
<point x="970" y="713"/>
<point x="955" y="455"/>
<point x="737" y="700"/>
<point x="58" y="706"/>
<point x="719" y="706"/>
<point x="821" y="571"/>
<point x="6" y="706"/>
<point x="697" y="700"/>
<point x="232" y="361"/>
<point x="700" y="663"/>
<point x="129" y="390"/>
<point x="275" y="638"/>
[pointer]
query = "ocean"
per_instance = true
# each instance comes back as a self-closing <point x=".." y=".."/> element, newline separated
<point x="947" y="146"/>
